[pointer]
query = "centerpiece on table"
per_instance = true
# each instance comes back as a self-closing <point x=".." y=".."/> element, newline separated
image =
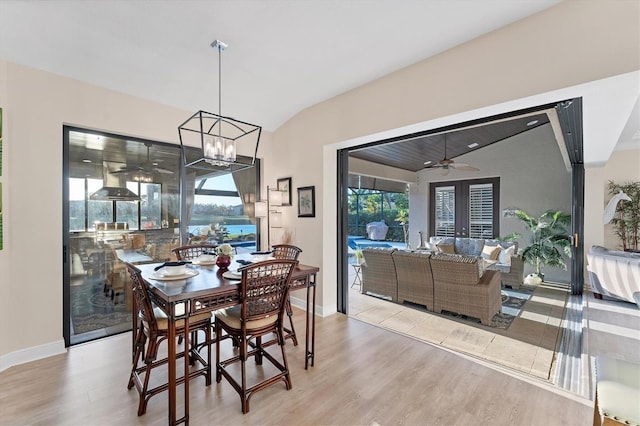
<point x="225" y="253"/>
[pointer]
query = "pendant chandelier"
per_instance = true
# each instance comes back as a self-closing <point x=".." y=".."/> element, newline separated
<point x="210" y="142"/>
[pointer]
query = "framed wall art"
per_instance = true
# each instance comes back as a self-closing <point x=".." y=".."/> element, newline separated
<point x="284" y="186"/>
<point x="307" y="201"/>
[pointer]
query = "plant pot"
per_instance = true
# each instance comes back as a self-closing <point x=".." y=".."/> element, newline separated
<point x="223" y="261"/>
<point x="533" y="279"/>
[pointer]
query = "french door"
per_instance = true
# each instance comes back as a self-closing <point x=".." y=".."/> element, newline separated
<point x="465" y="208"/>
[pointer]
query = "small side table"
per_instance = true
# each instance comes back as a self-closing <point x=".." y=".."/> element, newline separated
<point x="358" y="278"/>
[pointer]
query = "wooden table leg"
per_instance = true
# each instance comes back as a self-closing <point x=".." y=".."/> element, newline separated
<point x="309" y="350"/>
<point x="171" y="349"/>
<point x="186" y="363"/>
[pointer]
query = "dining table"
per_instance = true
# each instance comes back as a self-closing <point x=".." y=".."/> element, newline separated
<point x="206" y="287"/>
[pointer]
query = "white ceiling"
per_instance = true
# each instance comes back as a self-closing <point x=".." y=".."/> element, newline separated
<point x="283" y="55"/>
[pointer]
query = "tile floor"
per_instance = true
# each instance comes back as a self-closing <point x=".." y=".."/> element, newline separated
<point x="527" y="346"/>
<point x="556" y="338"/>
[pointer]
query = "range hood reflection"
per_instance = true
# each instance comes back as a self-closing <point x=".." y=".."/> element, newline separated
<point x="110" y="193"/>
<point x="113" y="190"/>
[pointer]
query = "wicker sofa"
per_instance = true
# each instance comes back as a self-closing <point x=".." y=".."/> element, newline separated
<point x="413" y="273"/>
<point x="458" y="287"/>
<point x="614" y="273"/>
<point x="379" y="273"/>
<point x="512" y="272"/>
<point x="439" y="282"/>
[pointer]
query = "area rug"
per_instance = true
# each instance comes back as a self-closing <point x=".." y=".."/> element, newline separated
<point x="92" y="309"/>
<point x="512" y="303"/>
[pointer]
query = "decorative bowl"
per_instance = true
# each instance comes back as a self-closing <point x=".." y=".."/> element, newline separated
<point x="170" y="270"/>
<point x="207" y="257"/>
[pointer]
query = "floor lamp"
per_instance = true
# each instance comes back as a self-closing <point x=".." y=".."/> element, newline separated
<point x="266" y="209"/>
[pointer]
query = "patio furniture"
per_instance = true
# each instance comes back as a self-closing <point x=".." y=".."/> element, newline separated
<point x="415" y="282"/>
<point x="377" y="230"/>
<point x="510" y="263"/>
<point x="459" y="286"/>
<point x="379" y="273"/>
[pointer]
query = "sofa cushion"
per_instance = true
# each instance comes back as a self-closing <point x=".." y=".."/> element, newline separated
<point x="491" y="252"/>
<point x="446" y="248"/>
<point x="469" y="246"/>
<point x="504" y="257"/>
<point x="442" y="240"/>
<point x="502" y="243"/>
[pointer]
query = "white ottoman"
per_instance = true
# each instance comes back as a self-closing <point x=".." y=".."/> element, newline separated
<point x="617" y="392"/>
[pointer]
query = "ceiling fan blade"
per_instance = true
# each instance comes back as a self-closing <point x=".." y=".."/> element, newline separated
<point x="124" y="170"/>
<point x="465" y="167"/>
<point x="164" y="171"/>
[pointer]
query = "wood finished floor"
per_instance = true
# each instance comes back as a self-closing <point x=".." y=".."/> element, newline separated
<point x="364" y="375"/>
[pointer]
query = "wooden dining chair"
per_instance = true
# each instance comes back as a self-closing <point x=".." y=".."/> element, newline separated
<point x="152" y="330"/>
<point x="190" y="252"/>
<point x="263" y="291"/>
<point x="288" y="251"/>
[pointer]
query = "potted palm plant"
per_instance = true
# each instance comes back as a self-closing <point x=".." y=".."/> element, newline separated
<point x="626" y="221"/>
<point x="549" y="239"/>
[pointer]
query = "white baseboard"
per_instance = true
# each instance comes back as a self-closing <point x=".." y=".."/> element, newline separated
<point x="31" y="354"/>
<point x="302" y="304"/>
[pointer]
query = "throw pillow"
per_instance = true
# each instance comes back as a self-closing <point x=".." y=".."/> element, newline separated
<point x="491" y="253"/>
<point x="505" y="255"/>
<point x="446" y="248"/>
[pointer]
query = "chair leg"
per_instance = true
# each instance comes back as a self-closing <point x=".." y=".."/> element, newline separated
<point x="244" y="397"/>
<point x="152" y="350"/>
<point x="140" y="341"/>
<point x="292" y="331"/>
<point x="287" y="376"/>
<point x="258" y="355"/>
<point x="218" y="331"/>
<point x="208" y="344"/>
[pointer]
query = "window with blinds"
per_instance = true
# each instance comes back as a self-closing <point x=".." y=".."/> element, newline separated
<point x="465" y="208"/>
<point x="445" y="211"/>
<point x="481" y="211"/>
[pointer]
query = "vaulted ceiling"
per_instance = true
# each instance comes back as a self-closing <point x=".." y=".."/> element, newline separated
<point x="283" y="55"/>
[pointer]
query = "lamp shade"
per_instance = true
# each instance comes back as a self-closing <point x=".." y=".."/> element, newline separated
<point x="275" y="219"/>
<point x="209" y="142"/>
<point x="275" y="197"/>
<point x="260" y="209"/>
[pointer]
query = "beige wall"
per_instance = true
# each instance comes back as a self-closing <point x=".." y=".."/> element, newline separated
<point x="536" y="61"/>
<point x="539" y="55"/>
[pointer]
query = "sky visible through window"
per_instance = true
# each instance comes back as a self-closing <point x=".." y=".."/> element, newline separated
<point x="221" y="183"/>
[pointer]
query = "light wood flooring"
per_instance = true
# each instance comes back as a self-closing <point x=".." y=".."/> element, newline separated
<point x="364" y="375"/>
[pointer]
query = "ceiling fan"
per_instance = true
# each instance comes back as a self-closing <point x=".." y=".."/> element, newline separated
<point x="446" y="164"/>
<point x="146" y="167"/>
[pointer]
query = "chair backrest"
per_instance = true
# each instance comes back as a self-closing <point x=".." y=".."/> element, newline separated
<point x="456" y="269"/>
<point x="193" y="251"/>
<point x="264" y="288"/>
<point x="143" y="301"/>
<point x="286" y="251"/>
